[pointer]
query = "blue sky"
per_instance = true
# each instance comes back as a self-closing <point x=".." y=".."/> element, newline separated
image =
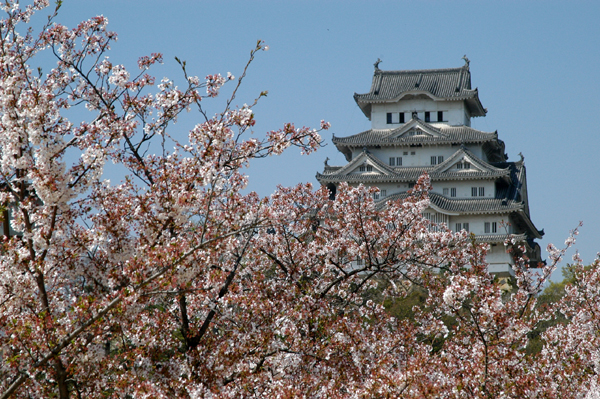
<point x="536" y="65"/>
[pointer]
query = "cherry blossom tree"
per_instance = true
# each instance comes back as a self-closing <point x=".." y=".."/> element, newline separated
<point x="174" y="283"/>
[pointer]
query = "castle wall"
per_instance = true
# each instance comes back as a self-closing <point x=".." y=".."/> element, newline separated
<point x="455" y="113"/>
<point x="418" y="156"/>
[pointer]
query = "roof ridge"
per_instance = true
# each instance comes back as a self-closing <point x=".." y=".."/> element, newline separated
<point x="417" y="71"/>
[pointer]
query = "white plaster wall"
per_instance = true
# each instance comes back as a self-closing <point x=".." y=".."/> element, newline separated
<point x="395" y="188"/>
<point x="454" y="112"/>
<point x="476" y="223"/>
<point x="390" y="188"/>
<point x="463" y="188"/>
<point x="477" y="150"/>
<point x="499" y="261"/>
<point x="422" y="155"/>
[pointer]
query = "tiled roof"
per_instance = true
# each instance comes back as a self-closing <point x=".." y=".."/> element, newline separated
<point x="470" y="206"/>
<point x="439" y="135"/>
<point x="479" y="206"/>
<point x="385" y="173"/>
<point x="448" y="84"/>
<point x="500" y="238"/>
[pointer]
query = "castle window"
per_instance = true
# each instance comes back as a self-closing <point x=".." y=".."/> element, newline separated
<point x="490" y="227"/>
<point x="369" y="168"/>
<point x="389" y="118"/>
<point x="412" y="153"/>
<point x="445" y="191"/>
<point x="437" y="159"/>
<point x="392" y="161"/>
<point x="440" y="116"/>
<point x="375" y="196"/>
<point x="401" y="117"/>
<point x="383" y="193"/>
<point x="359" y="261"/>
<point x="398" y="161"/>
<point x="361" y="168"/>
<point x="405" y="153"/>
<point x="477" y="192"/>
<point x="463" y="226"/>
<point x="453" y="192"/>
<point x="427" y="116"/>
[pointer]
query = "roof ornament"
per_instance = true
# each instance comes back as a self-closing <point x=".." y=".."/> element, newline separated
<point x="467" y="61"/>
<point x="326" y="160"/>
<point x="365" y="150"/>
<point x="376" y="64"/>
<point x="522" y="157"/>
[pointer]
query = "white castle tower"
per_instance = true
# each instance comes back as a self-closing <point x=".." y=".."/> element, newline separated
<point x="421" y="122"/>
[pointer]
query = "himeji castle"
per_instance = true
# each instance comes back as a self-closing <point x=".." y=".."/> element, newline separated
<point x="421" y="122"/>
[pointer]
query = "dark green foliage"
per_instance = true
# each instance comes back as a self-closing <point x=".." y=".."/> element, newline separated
<point x="548" y="298"/>
<point x="402" y="307"/>
<point x="555" y="291"/>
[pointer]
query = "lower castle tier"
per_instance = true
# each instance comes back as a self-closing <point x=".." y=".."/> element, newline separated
<point x="421" y="123"/>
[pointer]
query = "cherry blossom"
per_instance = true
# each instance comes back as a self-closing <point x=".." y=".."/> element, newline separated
<point x="171" y="281"/>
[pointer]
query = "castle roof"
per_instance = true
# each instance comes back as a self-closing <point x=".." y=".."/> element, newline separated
<point x="382" y="172"/>
<point x="416" y="131"/>
<point x="419" y="132"/>
<point x="451" y="84"/>
<point x="463" y="206"/>
<point x="479" y="206"/>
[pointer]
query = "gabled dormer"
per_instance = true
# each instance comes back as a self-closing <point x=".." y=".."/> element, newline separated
<point x="464" y="163"/>
<point x="365" y="164"/>
<point x="415" y="127"/>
